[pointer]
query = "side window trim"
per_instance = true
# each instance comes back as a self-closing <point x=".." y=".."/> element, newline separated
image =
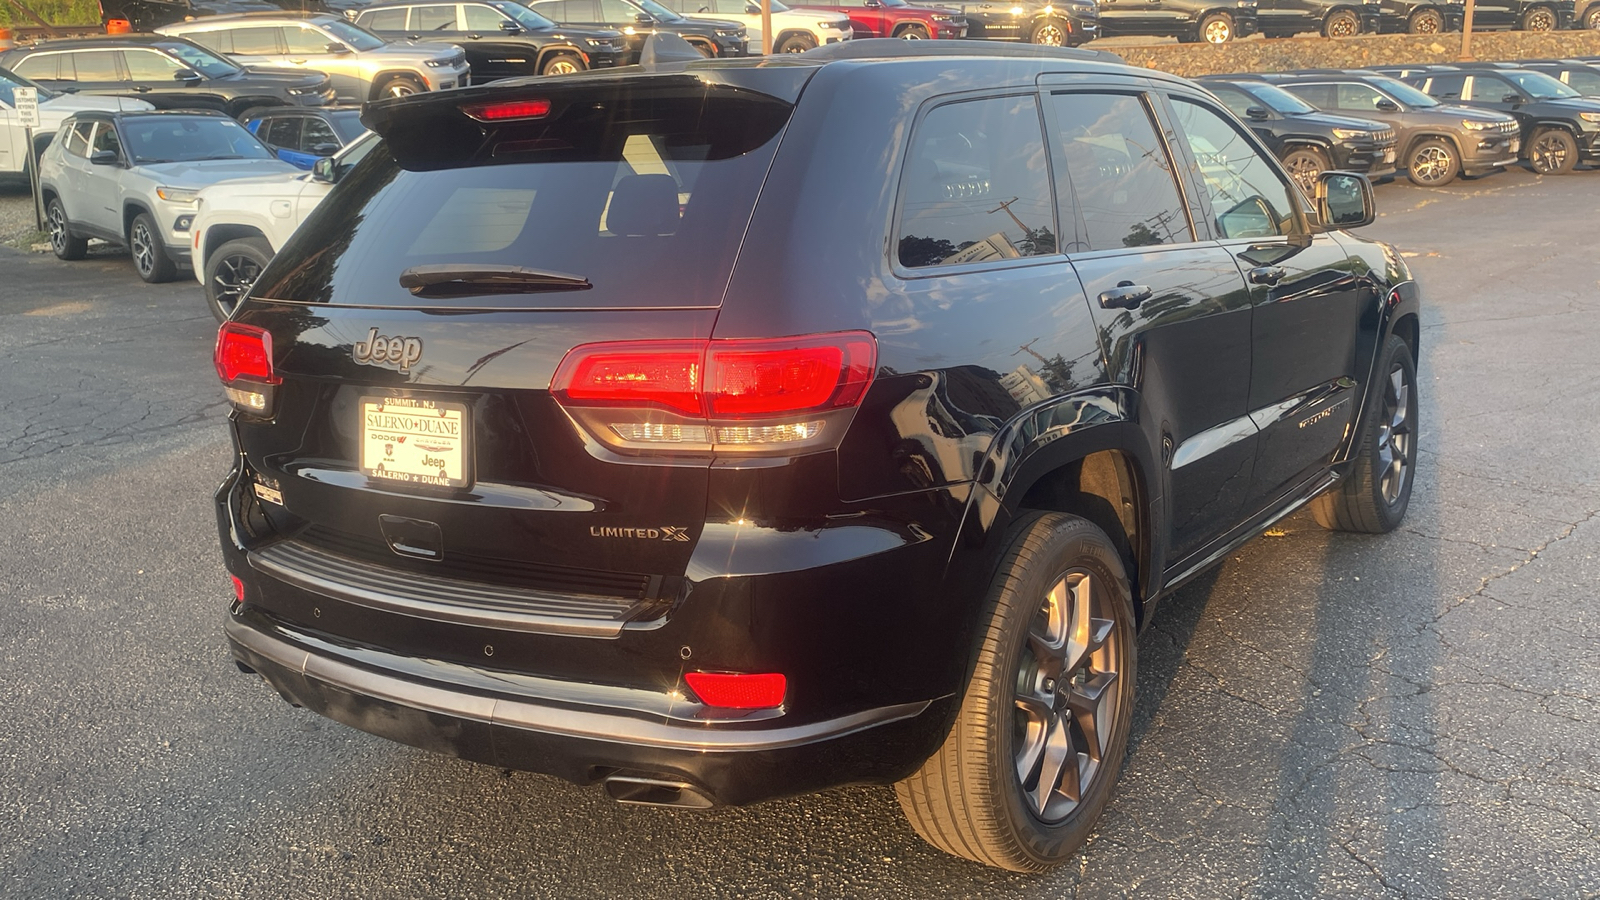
<point x="897" y="212"/>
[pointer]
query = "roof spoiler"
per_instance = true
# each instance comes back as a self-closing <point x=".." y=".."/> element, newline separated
<point x="662" y="49"/>
<point x="894" y="48"/>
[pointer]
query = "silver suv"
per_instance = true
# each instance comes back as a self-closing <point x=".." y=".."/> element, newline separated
<point x="132" y="178"/>
<point x="361" y="65"/>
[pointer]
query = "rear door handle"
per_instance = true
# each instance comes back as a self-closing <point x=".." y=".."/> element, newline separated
<point x="1267" y="275"/>
<point x="1126" y="295"/>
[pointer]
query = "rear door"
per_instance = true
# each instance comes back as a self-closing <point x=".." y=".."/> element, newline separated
<point x="1171" y="307"/>
<point x="100" y="72"/>
<point x="1307" y="294"/>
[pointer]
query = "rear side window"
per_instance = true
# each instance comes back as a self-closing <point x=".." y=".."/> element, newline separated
<point x="1318" y="95"/>
<point x="1121" y="175"/>
<point x="643" y="191"/>
<point x="385" y="20"/>
<point x="617" y="12"/>
<point x="256" y="41"/>
<point x="433" y="18"/>
<point x="99" y="65"/>
<point x="976" y="186"/>
<point x="220" y="40"/>
<point x="39" y="68"/>
<point x="284" y="132"/>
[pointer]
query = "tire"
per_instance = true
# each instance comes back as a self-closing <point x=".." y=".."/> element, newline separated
<point x="1540" y="18"/>
<point x="1060" y="592"/>
<point x="1216" y="28"/>
<point x="1426" y="21"/>
<point x="563" y="64"/>
<point x="400" y="86"/>
<point x="1373" y="496"/>
<point x="1591" y="19"/>
<point x="230" y="272"/>
<point x="912" y="33"/>
<point x="1433" y="163"/>
<point x="63" y="243"/>
<point x="795" y="43"/>
<point x="150" y="257"/>
<point x="1052" y="33"/>
<point x="1341" y="23"/>
<point x="1552" y="151"/>
<point x="1305" y="164"/>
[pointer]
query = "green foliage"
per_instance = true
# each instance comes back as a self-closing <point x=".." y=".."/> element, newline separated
<point x="56" y="12"/>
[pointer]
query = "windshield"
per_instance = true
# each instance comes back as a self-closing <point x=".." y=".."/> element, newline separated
<point x="347" y="122"/>
<point x="657" y="10"/>
<point x="9" y="82"/>
<point x="357" y="37"/>
<point x="164" y="139"/>
<point x="1540" y="86"/>
<point x="199" y="59"/>
<point x="1281" y="101"/>
<point x="524" y="16"/>
<point x="648" y="202"/>
<point x="1407" y="94"/>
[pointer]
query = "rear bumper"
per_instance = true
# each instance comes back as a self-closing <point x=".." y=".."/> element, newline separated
<point x="581" y="742"/>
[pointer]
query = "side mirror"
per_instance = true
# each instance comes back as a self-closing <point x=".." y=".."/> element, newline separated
<point x="1344" y="200"/>
<point x="336" y="47"/>
<point x="510" y="27"/>
<point x="1387" y="105"/>
<point x="1511" y="98"/>
<point x="323" y="170"/>
<point x="1258" y="113"/>
<point x="750" y="9"/>
<point x="873" y="4"/>
<point x="187" y="76"/>
<point x="324" y="149"/>
<point x="103" y="158"/>
<point x="644" y="19"/>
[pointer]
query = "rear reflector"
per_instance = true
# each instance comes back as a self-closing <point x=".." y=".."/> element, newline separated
<point x="243" y="360"/>
<point x="730" y="690"/>
<point x="238" y="588"/>
<point x="508" y="111"/>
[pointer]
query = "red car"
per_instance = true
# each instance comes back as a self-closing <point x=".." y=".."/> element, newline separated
<point x="897" y="19"/>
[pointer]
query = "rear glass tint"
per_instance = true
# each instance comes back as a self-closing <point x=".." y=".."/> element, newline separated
<point x="644" y="194"/>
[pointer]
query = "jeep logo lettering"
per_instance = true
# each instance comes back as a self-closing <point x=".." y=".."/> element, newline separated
<point x="401" y="352"/>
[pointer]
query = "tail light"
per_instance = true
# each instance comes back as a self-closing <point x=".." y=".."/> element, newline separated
<point x="244" y="363"/>
<point x="734" y="690"/>
<point x="728" y="396"/>
<point x="508" y="110"/>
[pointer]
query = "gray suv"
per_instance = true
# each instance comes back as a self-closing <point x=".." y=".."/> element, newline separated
<point x="361" y="65"/>
<point x="132" y="178"/>
<point x="1437" y="141"/>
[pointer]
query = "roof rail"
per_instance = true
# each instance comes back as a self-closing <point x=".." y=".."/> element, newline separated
<point x="893" y="48"/>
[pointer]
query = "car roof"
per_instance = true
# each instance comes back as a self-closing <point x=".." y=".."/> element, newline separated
<point x="95" y="41"/>
<point x="319" y="112"/>
<point x="282" y="15"/>
<point x="150" y="114"/>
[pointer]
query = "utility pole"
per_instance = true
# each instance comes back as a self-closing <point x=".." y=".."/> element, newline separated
<point x="766" y="27"/>
<point x="1007" y="207"/>
<point x="1466" y="32"/>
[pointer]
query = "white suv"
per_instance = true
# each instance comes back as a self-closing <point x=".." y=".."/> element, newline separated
<point x="793" y="30"/>
<point x="242" y="223"/>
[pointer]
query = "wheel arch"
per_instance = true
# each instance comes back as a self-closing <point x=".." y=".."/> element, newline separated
<point x="792" y="31"/>
<point x="901" y="27"/>
<point x="1418" y="138"/>
<point x="130" y="210"/>
<point x="550" y="50"/>
<point x="379" y="79"/>
<point x="216" y="235"/>
<point x="1295" y="142"/>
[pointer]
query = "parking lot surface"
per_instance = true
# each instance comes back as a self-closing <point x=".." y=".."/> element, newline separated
<point x="1411" y="715"/>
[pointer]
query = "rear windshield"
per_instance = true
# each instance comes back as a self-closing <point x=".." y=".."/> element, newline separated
<point x="644" y="194"/>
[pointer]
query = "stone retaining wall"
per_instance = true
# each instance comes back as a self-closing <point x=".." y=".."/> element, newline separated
<point x="1277" y="55"/>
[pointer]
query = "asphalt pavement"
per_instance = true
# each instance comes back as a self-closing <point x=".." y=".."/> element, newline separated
<point x="1413" y="715"/>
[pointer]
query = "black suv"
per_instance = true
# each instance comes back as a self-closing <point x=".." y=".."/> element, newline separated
<point x="625" y="427"/>
<point x="1437" y="141"/>
<point x="166" y="72"/>
<point x="1420" y="16"/>
<point x="502" y="38"/>
<point x="1330" y="18"/>
<point x="1065" y="24"/>
<point x="1309" y="142"/>
<point x="1581" y="76"/>
<point x="1189" y="21"/>
<point x="1560" y="127"/>
<point x="1522" y="15"/>
<point x="638" y="19"/>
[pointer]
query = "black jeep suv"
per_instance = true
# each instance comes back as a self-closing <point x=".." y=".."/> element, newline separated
<point x="625" y="427"/>
<point x="502" y="38"/>
<point x="1190" y="21"/>
<point x="1421" y="16"/>
<point x="1064" y="24"/>
<point x="1309" y="142"/>
<point x="1560" y="127"/>
<point x="1330" y="18"/>
<point x="1437" y="141"/>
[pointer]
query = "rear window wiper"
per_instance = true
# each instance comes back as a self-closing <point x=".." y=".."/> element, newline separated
<point x="468" y="280"/>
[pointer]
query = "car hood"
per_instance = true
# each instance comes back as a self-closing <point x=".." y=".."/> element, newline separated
<point x="287" y="78"/>
<point x="1455" y="111"/>
<point x="210" y="171"/>
<point x="1327" y="120"/>
<point x="566" y="32"/>
<point x="1569" y="104"/>
<point x="415" y="49"/>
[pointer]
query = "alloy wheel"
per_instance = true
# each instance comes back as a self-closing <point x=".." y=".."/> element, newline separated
<point x="56" y="220"/>
<point x="1343" y="25"/>
<point x="1050" y="36"/>
<point x="1592" y="20"/>
<point x="561" y="66"/>
<point x="1431" y="164"/>
<point x="1427" y="22"/>
<point x="1304" y="169"/>
<point x="1540" y="20"/>
<point x="235" y="275"/>
<point x="910" y="34"/>
<point x="1394" y="437"/>
<point x="1066" y="696"/>
<point x="399" y="89"/>
<point x="1548" y="154"/>
<point x="1218" y="32"/>
<point x="142" y="243"/>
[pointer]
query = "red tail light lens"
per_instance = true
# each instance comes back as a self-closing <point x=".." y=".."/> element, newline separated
<point x="508" y="110"/>
<point x="238" y="588"/>
<point x="764" y="378"/>
<point x="651" y="374"/>
<point x="730" y="690"/>
<point x="244" y="363"/>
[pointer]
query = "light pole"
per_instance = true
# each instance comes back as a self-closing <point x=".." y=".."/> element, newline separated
<point x="766" y="27"/>
<point x="1466" y="32"/>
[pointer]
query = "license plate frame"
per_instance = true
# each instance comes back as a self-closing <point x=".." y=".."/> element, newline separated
<point x="439" y="435"/>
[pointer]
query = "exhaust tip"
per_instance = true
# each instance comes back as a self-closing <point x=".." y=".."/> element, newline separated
<point x="656" y="792"/>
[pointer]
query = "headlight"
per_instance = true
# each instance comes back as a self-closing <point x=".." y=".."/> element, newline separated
<point x="1589" y="117"/>
<point x="177" y="195"/>
<point x="944" y="18"/>
<point x="437" y="63"/>
<point x="830" y="24"/>
<point x="1472" y="125"/>
<point x="1246" y="4"/>
<point x="314" y="89"/>
<point x="725" y="33"/>
<point x="1350" y="134"/>
<point x="1017" y="10"/>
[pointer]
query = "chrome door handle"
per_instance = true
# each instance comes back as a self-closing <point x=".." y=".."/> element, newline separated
<point x="1126" y="295"/>
<point x="1267" y="275"/>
